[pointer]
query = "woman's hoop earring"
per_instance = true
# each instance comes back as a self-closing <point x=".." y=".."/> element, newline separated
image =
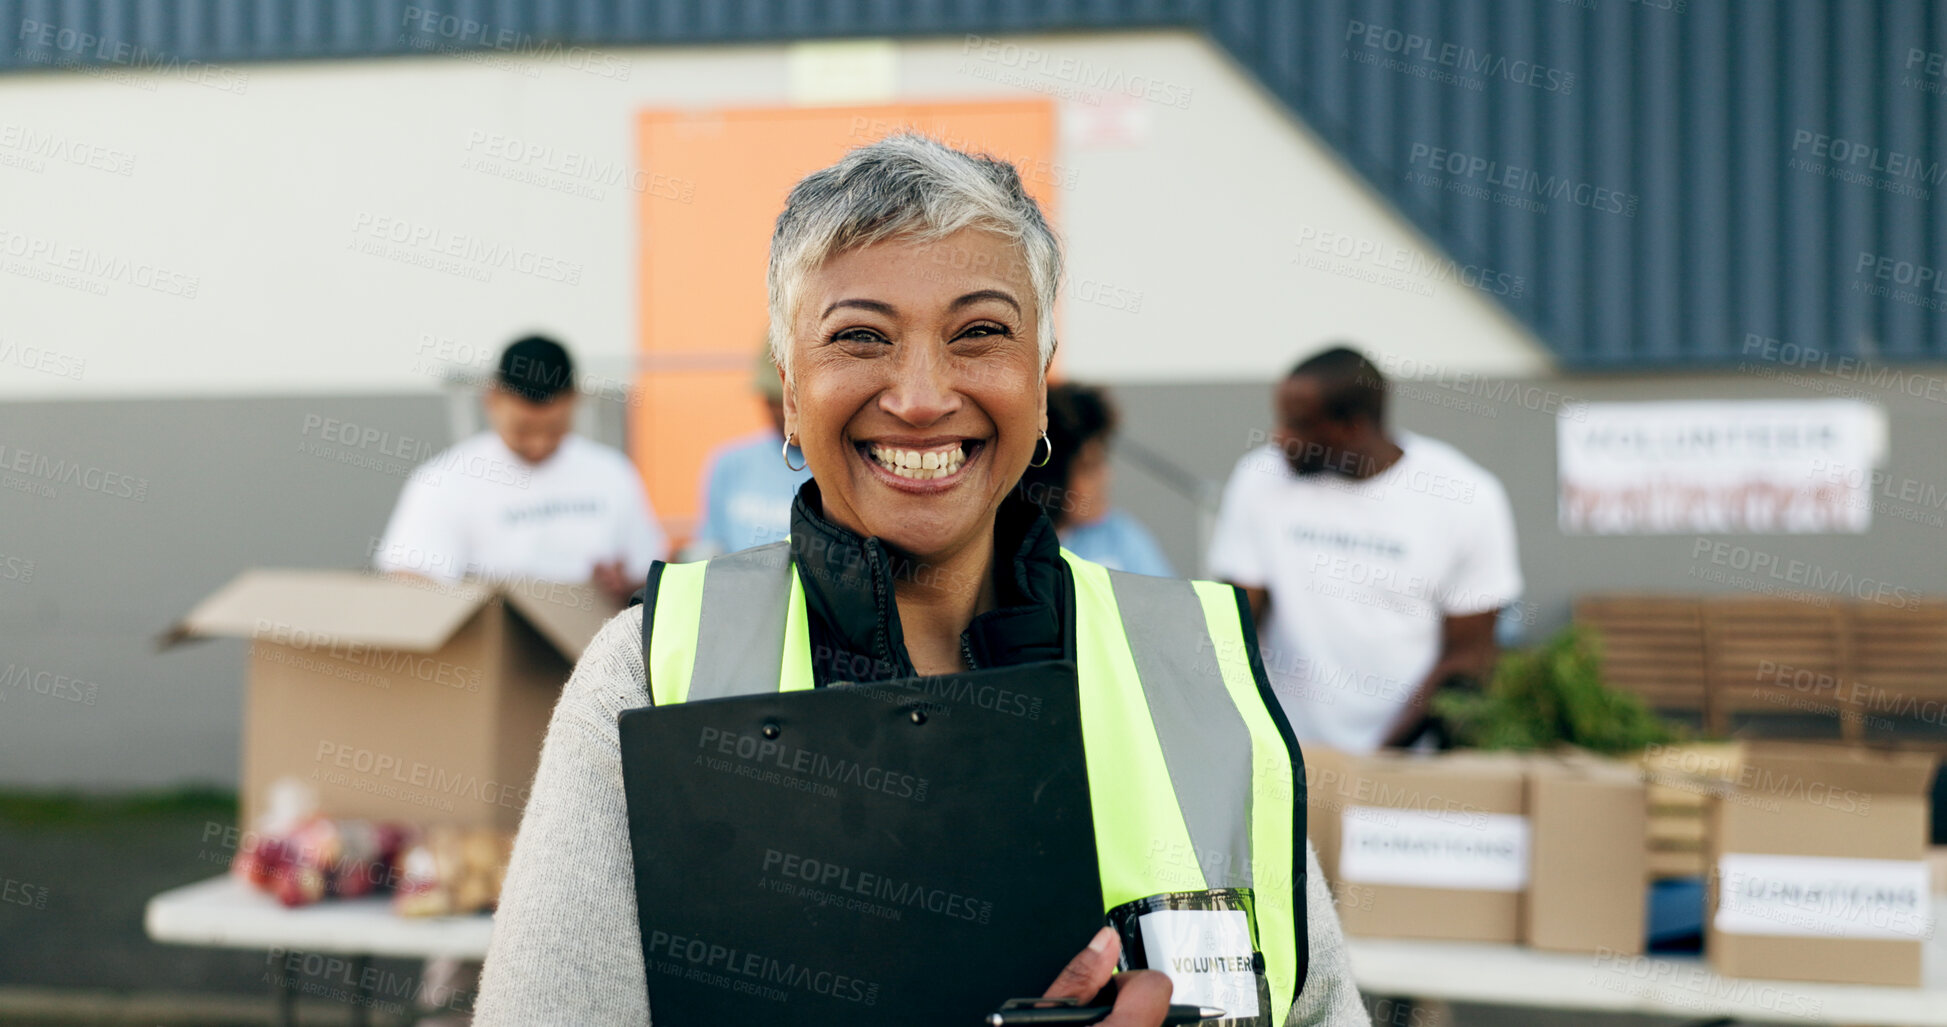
<point x="787" y="453"/>
<point x="1043" y="462"/>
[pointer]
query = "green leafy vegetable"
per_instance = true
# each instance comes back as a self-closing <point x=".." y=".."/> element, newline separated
<point x="1553" y="695"/>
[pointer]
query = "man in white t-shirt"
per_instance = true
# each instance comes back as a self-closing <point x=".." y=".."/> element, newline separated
<point x="528" y="498"/>
<point x="1376" y="564"/>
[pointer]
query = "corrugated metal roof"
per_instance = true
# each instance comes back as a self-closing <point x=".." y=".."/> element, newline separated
<point x="1648" y="183"/>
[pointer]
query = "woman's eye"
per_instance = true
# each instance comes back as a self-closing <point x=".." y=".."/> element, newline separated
<point x="983" y="331"/>
<point x="858" y="335"/>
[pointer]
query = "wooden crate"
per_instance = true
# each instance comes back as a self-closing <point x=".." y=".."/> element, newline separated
<point x="1775" y="656"/>
<point x="1652" y="645"/>
<point x="1681" y="780"/>
<point x="1871" y="669"/>
<point x="1899" y="662"/>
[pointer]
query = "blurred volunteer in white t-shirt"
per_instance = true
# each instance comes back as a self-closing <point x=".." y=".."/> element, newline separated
<point x="528" y="498"/>
<point x="1376" y="564"/>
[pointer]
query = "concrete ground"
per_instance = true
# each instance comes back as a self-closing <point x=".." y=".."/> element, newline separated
<point x="75" y="875"/>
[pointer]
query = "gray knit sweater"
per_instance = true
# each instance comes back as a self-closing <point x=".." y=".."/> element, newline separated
<point x="565" y="948"/>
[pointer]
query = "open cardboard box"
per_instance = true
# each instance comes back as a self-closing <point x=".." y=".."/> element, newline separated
<point x="398" y="700"/>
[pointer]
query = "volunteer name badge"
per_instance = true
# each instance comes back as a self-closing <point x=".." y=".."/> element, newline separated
<point x="1208" y="956"/>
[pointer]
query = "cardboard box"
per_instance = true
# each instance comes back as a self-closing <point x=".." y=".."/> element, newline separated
<point x="1431" y="846"/>
<point x="1588" y="869"/>
<point x="398" y="700"/>
<point x="1819" y="866"/>
<point x="1331" y="784"/>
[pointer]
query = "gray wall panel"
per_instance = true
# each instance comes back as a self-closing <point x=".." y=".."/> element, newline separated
<point x="88" y="577"/>
<point x="224" y="485"/>
<point x="1204" y="429"/>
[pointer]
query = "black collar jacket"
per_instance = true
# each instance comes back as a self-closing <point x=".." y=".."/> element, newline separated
<point x="854" y="623"/>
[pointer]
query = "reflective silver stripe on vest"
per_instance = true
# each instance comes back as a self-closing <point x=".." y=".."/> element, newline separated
<point x="1206" y="744"/>
<point x="739" y="632"/>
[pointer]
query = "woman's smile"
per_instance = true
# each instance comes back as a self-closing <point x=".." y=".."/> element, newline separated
<point x="912" y="466"/>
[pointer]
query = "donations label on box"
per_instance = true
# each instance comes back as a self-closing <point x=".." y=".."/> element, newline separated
<point x="1428" y="849"/>
<point x="1819" y="896"/>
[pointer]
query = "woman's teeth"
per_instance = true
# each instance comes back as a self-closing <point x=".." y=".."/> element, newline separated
<point x="918" y="464"/>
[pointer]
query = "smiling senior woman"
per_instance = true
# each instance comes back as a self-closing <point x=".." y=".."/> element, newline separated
<point x="912" y="289"/>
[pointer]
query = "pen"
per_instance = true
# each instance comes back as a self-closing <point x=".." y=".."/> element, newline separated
<point x="1094" y="1014"/>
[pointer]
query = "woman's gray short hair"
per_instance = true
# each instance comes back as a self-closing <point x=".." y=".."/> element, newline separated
<point x="912" y="187"/>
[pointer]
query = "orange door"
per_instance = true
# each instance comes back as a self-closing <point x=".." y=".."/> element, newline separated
<point x="713" y="183"/>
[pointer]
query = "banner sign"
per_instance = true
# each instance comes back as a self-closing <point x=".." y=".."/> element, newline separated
<point x="1719" y="467"/>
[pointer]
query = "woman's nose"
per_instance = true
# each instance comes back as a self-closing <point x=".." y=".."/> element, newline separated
<point x="922" y="390"/>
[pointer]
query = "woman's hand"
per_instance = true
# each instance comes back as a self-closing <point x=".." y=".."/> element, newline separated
<point x="1141" y="997"/>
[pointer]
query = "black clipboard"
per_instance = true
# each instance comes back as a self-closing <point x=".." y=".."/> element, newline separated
<point x="894" y="853"/>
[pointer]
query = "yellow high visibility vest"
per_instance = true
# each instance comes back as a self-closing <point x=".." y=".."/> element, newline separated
<point x="1194" y="779"/>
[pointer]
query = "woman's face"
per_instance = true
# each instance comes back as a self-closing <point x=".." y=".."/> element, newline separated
<point x="918" y="396"/>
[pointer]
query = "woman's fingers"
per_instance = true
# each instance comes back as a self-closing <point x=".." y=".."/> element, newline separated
<point x="1085" y="975"/>
<point x="1142" y="999"/>
<point x="1141" y="996"/>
